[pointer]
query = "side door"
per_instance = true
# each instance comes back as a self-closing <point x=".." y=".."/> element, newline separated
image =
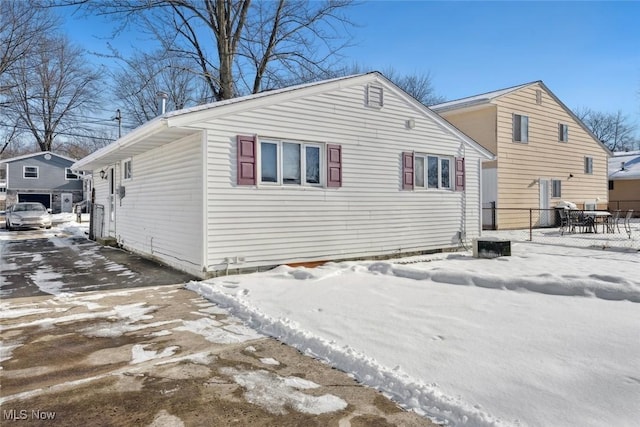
<point x="545" y="202"/>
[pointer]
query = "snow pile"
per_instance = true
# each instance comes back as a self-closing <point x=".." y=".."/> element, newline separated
<point x="549" y="337"/>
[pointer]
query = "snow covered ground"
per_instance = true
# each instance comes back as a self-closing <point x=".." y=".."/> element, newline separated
<point x="547" y="337"/>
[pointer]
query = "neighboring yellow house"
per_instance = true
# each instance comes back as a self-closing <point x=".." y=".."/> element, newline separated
<point x="624" y="181"/>
<point x="544" y="154"/>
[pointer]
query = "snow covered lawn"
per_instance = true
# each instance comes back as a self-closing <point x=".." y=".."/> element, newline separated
<point x="547" y="337"/>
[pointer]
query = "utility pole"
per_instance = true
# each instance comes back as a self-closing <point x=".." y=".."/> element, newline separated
<point x="118" y="117"/>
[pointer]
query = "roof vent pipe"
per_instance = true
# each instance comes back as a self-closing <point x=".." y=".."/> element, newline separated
<point x="162" y="102"/>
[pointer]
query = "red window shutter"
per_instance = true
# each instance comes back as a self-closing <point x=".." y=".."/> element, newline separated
<point x="407" y="171"/>
<point x="460" y="179"/>
<point x="246" y="160"/>
<point x="334" y="165"/>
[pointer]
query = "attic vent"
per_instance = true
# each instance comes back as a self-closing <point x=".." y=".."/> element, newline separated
<point x="538" y="97"/>
<point x="374" y="96"/>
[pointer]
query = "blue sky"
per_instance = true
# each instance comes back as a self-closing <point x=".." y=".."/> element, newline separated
<point x="587" y="53"/>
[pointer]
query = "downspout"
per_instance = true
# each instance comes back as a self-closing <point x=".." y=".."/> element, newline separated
<point x="463" y="231"/>
<point x="205" y="190"/>
<point x="480" y="198"/>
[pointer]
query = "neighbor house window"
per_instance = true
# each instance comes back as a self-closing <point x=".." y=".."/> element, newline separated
<point x="556" y="188"/>
<point x="374" y="96"/>
<point x="588" y="165"/>
<point x="432" y="171"/>
<point x="290" y="163"/>
<point x="520" y="128"/>
<point x="127" y="171"/>
<point x="30" y="172"/>
<point x="610" y="185"/>
<point x="563" y="132"/>
<point x="69" y="175"/>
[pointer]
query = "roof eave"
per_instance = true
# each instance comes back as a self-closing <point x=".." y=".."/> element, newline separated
<point x="462" y="106"/>
<point x="103" y="156"/>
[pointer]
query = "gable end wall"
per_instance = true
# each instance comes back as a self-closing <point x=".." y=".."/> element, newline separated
<point x="521" y="165"/>
<point x="369" y="215"/>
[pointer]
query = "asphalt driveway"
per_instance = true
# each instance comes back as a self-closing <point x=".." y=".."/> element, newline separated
<point x="40" y="262"/>
<point x="95" y="336"/>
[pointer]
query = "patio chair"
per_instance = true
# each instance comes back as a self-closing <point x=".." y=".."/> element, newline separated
<point x="583" y="222"/>
<point x="627" y="222"/>
<point x="565" y="221"/>
<point x="614" y="222"/>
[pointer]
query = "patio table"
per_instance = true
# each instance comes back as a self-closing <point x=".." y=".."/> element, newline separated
<point x="599" y="217"/>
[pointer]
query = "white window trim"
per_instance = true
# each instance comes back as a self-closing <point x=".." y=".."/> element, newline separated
<point x="279" y="163"/>
<point x="124" y="177"/>
<point x="68" y="171"/>
<point x="24" y="172"/>
<point x="426" y="187"/>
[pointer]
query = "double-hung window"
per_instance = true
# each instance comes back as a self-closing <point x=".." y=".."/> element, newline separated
<point x="563" y="132"/>
<point x="290" y="163"/>
<point x="69" y="175"/>
<point x="30" y="172"/>
<point x="433" y="172"/>
<point x="127" y="171"/>
<point x="588" y="165"/>
<point x="520" y="128"/>
<point x="556" y="188"/>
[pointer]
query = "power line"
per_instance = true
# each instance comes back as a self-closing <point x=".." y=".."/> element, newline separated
<point x="60" y="133"/>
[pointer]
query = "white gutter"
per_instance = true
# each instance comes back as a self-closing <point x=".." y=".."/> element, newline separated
<point x="149" y="128"/>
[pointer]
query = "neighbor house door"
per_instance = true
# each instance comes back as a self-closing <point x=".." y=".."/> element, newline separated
<point x="67" y="202"/>
<point x="545" y="217"/>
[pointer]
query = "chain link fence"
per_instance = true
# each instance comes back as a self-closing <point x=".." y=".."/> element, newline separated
<point x="545" y="226"/>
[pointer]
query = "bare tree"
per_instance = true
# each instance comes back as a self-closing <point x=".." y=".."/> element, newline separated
<point x="51" y="90"/>
<point x="80" y="146"/>
<point x="22" y="25"/>
<point x="613" y="129"/>
<point x="240" y="46"/>
<point x="418" y="85"/>
<point x="288" y="39"/>
<point x="138" y="82"/>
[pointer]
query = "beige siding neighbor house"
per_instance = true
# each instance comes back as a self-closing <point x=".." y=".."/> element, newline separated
<point x="624" y="181"/>
<point x="544" y="154"/>
<point x="345" y="168"/>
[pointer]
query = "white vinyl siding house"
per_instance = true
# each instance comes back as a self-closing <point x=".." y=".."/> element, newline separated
<point x="302" y="174"/>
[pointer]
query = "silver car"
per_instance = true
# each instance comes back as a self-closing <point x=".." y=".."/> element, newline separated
<point x="28" y="215"/>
